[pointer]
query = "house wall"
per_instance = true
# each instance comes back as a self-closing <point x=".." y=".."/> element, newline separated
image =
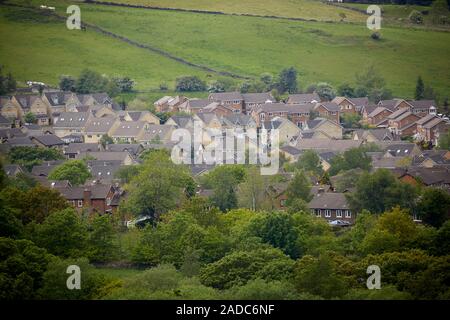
<point x="331" y="129"/>
<point x="324" y="113"/>
<point x="320" y="213"/>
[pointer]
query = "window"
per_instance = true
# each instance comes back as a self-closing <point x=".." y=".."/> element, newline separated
<point x="80" y="203"/>
<point x="318" y="213"/>
<point x="73" y="203"/>
<point x="348" y="214"/>
<point x="327" y="213"/>
<point x="338" y="213"/>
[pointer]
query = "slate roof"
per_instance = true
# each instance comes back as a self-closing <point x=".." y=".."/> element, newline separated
<point x="73" y="148"/>
<point x="154" y="130"/>
<point x="327" y="144"/>
<point x="288" y="108"/>
<point x="258" y="98"/>
<point x="49" y="140"/>
<point x="329" y="200"/>
<point x="72" y="120"/>
<point x="226" y="96"/>
<point x="129" y="129"/>
<point x="132" y="148"/>
<point x="303" y="98"/>
<point x="400" y="150"/>
<point x="330" y="106"/>
<point x="100" y="125"/>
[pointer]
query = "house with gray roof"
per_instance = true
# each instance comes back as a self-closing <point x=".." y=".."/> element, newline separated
<point x="157" y="133"/>
<point x="97" y="127"/>
<point x="331" y="206"/>
<point x="71" y="123"/>
<point x="303" y="98"/>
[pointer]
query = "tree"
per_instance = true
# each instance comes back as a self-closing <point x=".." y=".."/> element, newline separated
<point x="10" y="225"/>
<point x="105" y="140"/>
<point x="439" y="9"/>
<point x="31" y="156"/>
<point x="298" y="188"/>
<point x="76" y="171"/>
<point x="224" y="181"/>
<point x="29" y="117"/>
<point x="91" y="81"/>
<point x="124" y="84"/>
<point x="102" y="246"/>
<point x="318" y="276"/>
<point x="22" y="265"/>
<point x="351" y="159"/>
<point x="346" y="90"/>
<point x="63" y="234"/>
<point x="252" y="192"/>
<point x="416" y="17"/>
<point x="444" y="141"/>
<point x="325" y="91"/>
<point x="238" y="267"/>
<point x="189" y="83"/>
<point x="127" y="173"/>
<point x="420" y="88"/>
<point x="94" y="285"/>
<point x="7" y="83"/>
<point x="287" y="81"/>
<point x="277" y="229"/>
<point x="380" y="191"/>
<point x="67" y="83"/>
<point x="372" y="85"/>
<point x="309" y="161"/>
<point x="158" y="187"/>
<point x="351" y="120"/>
<point x="442" y="241"/>
<point x="434" y="207"/>
<point x="259" y="289"/>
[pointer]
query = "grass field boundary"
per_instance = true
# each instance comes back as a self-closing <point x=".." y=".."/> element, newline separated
<point x="137" y="6"/>
<point x="139" y="45"/>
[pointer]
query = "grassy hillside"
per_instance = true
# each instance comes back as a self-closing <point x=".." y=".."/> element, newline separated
<point x="37" y="48"/>
<point x="250" y="46"/>
<point x="243" y="45"/>
<point x="305" y="9"/>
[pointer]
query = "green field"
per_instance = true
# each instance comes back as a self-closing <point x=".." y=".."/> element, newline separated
<point x="305" y="9"/>
<point x="248" y="46"/>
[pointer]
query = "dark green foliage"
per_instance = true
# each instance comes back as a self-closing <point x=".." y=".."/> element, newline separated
<point x="190" y="84"/>
<point x="351" y="159"/>
<point x="63" y="234"/>
<point x="381" y="191"/>
<point x="67" y="83"/>
<point x="239" y="267"/>
<point x="279" y="230"/>
<point x="7" y="83"/>
<point x="22" y="265"/>
<point x="287" y="81"/>
<point x="91" y="81"/>
<point x="434" y="207"/>
<point x="102" y="239"/>
<point x="76" y="171"/>
<point x="420" y="89"/>
<point x="299" y="188"/>
<point x="31" y="156"/>
<point x="94" y="285"/>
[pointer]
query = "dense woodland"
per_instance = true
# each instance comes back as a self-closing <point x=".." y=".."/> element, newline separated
<point x="224" y="247"/>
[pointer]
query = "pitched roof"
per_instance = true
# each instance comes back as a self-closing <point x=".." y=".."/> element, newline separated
<point x="105" y="155"/>
<point x="330" y="106"/>
<point x="98" y="191"/>
<point x="81" y="147"/>
<point x="390" y="104"/>
<point x="55" y="98"/>
<point x="226" y="96"/>
<point x="430" y="176"/>
<point x="327" y="144"/>
<point x="182" y="120"/>
<point x="49" y="140"/>
<point x="71" y="120"/>
<point x="237" y="119"/>
<point x="329" y="200"/>
<point x="433" y="123"/>
<point x="157" y="130"/>
<point x="359" y="102"/>
<point x="258" y="98"/>
<point x="132" y="148"/>
<point x="287" y="108"/>
<point x="100" y="125"/>
<point x="426" y="119"/>
<point x="129" y="129"/>
<point x="3" y="120"/>
<point x="400" y="149"/>
<point x="421" y="104"/>
<point x="291" y="150"/>
<point x="396" y="114"/>
<point x="303" y="98"/>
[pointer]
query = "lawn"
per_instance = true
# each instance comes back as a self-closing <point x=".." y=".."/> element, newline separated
<point x="248" y="46"/>
<point x="320" y="51"/>
<point x="305" y="9"/>
<point x="37" y="48"/>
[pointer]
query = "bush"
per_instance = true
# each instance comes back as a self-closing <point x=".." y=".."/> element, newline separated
<point x="416" y="17"/>
<point x="375" y="36"/>
<point x="189" y="84"/>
